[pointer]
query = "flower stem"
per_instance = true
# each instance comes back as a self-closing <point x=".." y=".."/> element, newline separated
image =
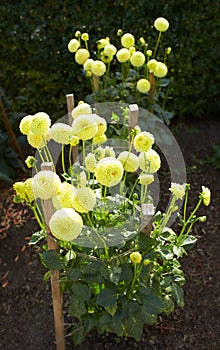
<point x="157" y="44"/>
<point x="63" y="160"/>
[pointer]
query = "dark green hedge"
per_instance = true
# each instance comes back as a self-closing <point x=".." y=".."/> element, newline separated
<point x="35" y="62"/>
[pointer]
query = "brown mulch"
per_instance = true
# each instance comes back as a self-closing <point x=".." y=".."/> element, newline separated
<point x="26" y="317"/>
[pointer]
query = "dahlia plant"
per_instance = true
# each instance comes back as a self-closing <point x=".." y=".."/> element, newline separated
<point x="132" y="72"/>
<point x="117" y="275"/>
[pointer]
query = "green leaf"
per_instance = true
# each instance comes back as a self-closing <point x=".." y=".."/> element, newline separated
<point x="152" y="304"/>
<point x="111" y="309"/>
<point x="73" y="274"/>
<point x="79" y="335"/>
<point x="177" y="293"/>
<point x="107" y="297"/>
<point x="36" y="237"/>
<point x="188" y="242"/>
<point x="178" y="251"/>
<point x="51" y="260"/>
<point x="115" y="274"/>
<point x="134" y="327"/>
<point x="81" y="291"/>
<point x="77" y="308"/>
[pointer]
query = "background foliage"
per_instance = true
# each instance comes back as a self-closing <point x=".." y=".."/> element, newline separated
<point x="36" y="64"/>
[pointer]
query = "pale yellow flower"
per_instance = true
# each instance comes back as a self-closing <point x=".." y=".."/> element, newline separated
<point x="106" y="58"/>
<point x="30" y="161"/>
<point x="161" y="24"/>
<point x="109" y="152"/>
<point x="150" y="161"/>
<point x="45" y="184"/>
<point x="137" y="59"/>
<point x="85" y="127"/>
<point x="151" y="64"/>
<point x="123" y="55"/>
<point x="110" y="50"/>
<point x="90" y="162"/>
<point x="36" y="141"/>
<point x="85" y="36"/>
<point x="102" y="125"/>
<point x="40" y="123"/>
<point x="136" y="257"/>
<point x="82" y="179"/>
<point x="61" y="133"/>
<point x="82" y="108"/>
<point x="99" y="153"/>
<point x="98" y="68"/>
<point x="142" y="41"/>
<point x="25" y="124"/>
<point x="178" y="190"/>
<point x="146" y="179"/>
<point x="109" y="172"/>
<point x="74" y="140"/>
<point x="143" y="141"/>
<point x="143" y="86"/>
<point x="84" y="199"/>
<point x="160" y="70"/>
<point x="81" y="56"/>
<point x="98" y="140"/>
<point x="64" y="196"/>
<point x="102" y="43"/>
<point x="78" y="34"/>
<point x="65" y="224"/>
<point x="127" y="40"/>
<point x="73" y="45"/>
<point x="88" y="64"/>
<point x="129" y="161"/>
<point x="19" y="189"/>
<point x="28" y="187"/>
<point x="206" y="195"/>
<point x="132" y="50"/>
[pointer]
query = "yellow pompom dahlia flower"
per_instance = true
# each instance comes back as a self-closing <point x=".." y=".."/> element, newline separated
<point x="84" y="199"/>
<point x="150" y="161"/>
<point x="129" y="161"/>
<point x="45" y="184"/>
<point x="143" y="141"/>
<point x="109" y="172"/>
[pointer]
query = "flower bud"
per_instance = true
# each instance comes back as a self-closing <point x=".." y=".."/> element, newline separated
<point x="85" y="36"/>
<point x="136" y="257"/>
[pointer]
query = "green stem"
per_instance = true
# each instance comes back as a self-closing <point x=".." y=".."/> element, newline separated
<point x="99" y="236"/>
<point x="133" y="188"/>
<point x="70" y="156"/>
<point x="189" y="220"/>
<point x="63" y="159"/>
<point x="157" y="44"/>
<point x="167" y="215"/>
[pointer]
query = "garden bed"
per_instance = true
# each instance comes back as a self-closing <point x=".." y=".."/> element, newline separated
<point x="26" y="319"/>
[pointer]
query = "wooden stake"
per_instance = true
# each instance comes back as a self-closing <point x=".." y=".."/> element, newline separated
<point x="10" y="131"/>
<point x="70" y="107"/>
<point x="54" y="274"/>
<point x="95" y="82"/>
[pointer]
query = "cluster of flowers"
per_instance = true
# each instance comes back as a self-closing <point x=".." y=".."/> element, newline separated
<point x="101" y="167"/>
<point x="128" y="56"/>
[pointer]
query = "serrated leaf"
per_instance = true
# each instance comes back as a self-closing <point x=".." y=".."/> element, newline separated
<point x="51" y="260"/>
<point x="107" y="297"/>
<point x="81" y="291"/>
<point x="134" y="327"/>
<point x="77" y="308"/>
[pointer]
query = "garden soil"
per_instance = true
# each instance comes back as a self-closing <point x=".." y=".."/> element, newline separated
<point x="26" y="314"/>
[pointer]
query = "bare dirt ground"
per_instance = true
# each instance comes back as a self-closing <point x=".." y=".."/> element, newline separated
<point x="26" y="316"/>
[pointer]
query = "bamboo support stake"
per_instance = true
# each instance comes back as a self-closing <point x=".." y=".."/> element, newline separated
<point x="54" y="274"/>
<point x="70" y="107"/>
<point x="10" y="131"/>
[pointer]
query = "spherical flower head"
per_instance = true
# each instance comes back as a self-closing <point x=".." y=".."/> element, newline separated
<point x="109" y="152"/>
<point x="161" y="24"/>
<point x="143" y="86"/>
<point x="137" y="59"/>
<point x="19" y="189"/>
<point x="61" y="133"/>
<point x="129" y="161"/>
<point x="82" y="108"/>
<point x="28" y="187"/>
<point x="146" y="179"/>
<point x="149" y="53"/>
<point x="36" y="141"/>
<point x="178" y="190"/>
<point x="151" y="64"/>
<point x="109" y="172"/>
<point x="45" y="184"/>
<point x="127" y="40"/>
<point x="88" y="64"/>
<point x="106" y="58"/>
<point x="98" y="140"/>
<point x="84" y="199"/>
<point x="65" y="224"/>
<point x="30" y="161"/>
<point x="206" y="195"/>
<point x="85" y="36"/>
<point x="73" y="141"/>
<point x="150" y="161"/>
<point x="82" y="179"/>
<point x="132" y="50"/>
<point x="85" y="127"/>
<point x="90" y="162"/>
<point x="81" y="56"/>
<point x="64" y="196"/>
<point x="110" y="50"/>
<point x="123" y="55"/>
<point x="136" y="257"/>
<point x="143" y="141"/>
<point x="40" y="123"/>
<point x="102" y="125"/>
<point x="25" y="124"/>
<point x="99" y="153"/>
<point x="160" y="70"/>
<point x="98" y="68"/>
<point x="73" y="45"/>
<point x="102" y="43"/>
